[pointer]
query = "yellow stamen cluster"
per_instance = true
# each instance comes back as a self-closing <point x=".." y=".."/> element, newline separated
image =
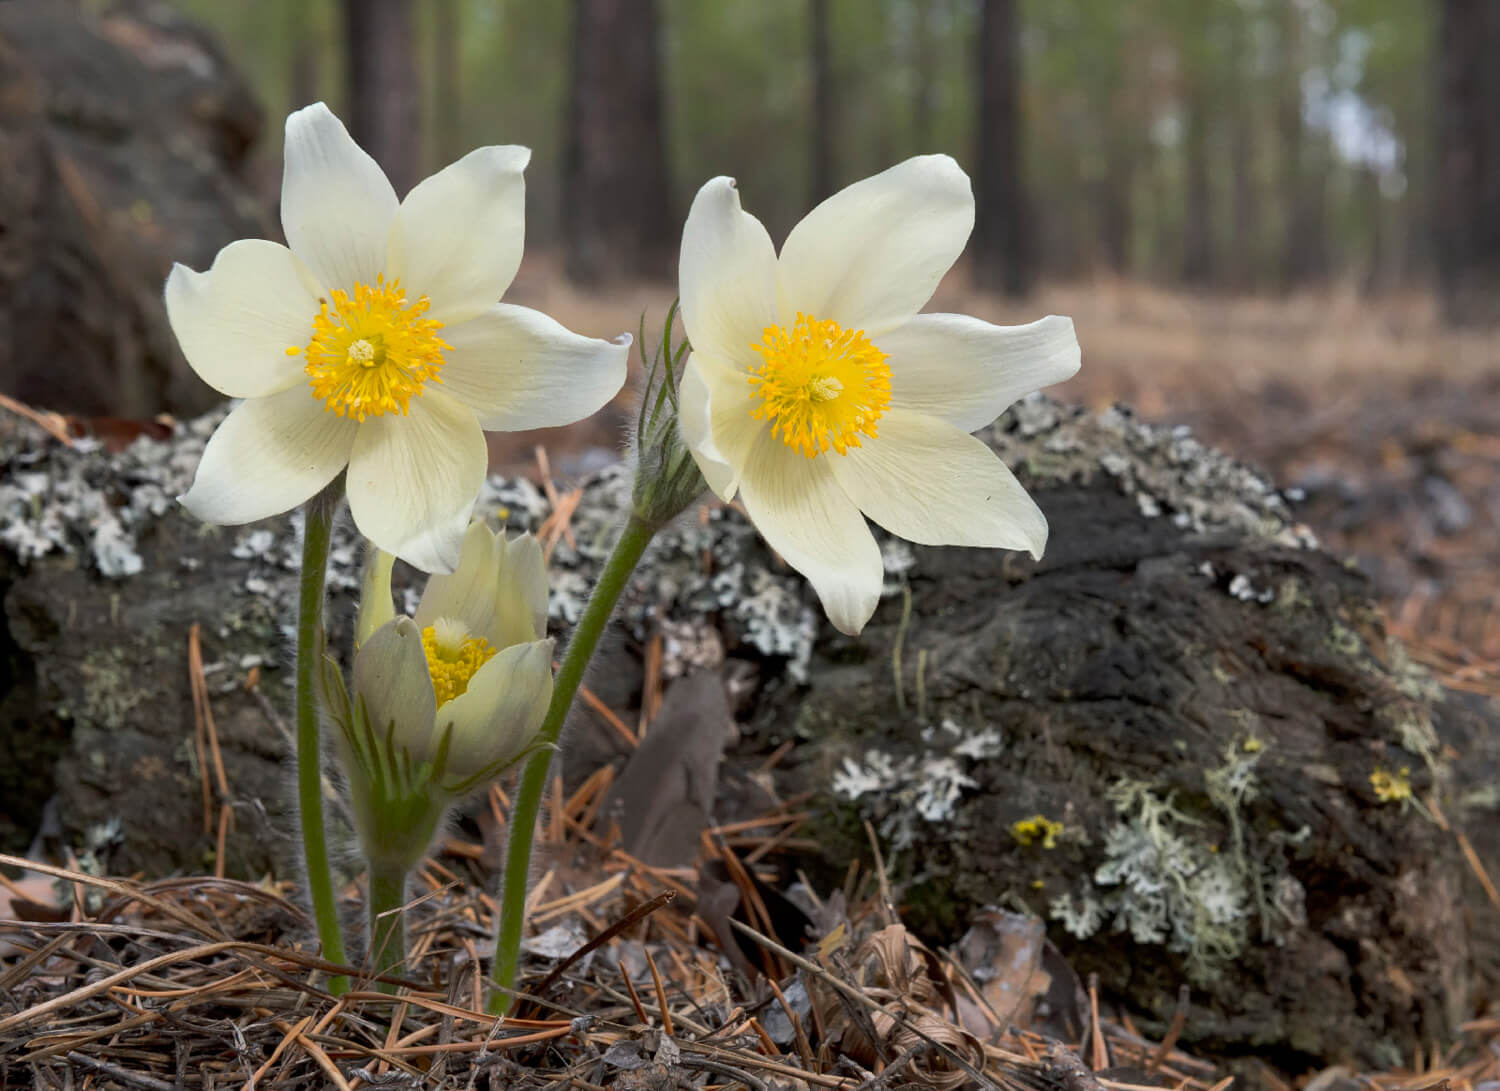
<point x="822" y="385"/>
<point x="371" y="353"/>
<point x="453" y="657"/>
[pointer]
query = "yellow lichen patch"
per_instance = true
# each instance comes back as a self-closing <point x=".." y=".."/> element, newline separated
<point x="1252" y="745"/>
<point x="371" y="353"/>
<point x="821" y="385"/>
<point x="1392" y="787"/>
<point x="453" y="657"/>
<point x="1027" y="831"/>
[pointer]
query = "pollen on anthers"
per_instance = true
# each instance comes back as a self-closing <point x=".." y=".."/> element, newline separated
<point x="453" y="657"/>
<point x="372" y="352"/>
<point x="821" y="386"/>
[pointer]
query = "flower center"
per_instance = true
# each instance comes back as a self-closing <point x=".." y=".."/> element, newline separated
<point x="371" y="353"/>
<point x="821" y="385"/>
<point x="453" y="657"/>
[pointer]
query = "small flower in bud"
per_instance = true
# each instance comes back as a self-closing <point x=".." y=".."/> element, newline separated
<point x="448" y="699"/>
<point x="667" y="478"/>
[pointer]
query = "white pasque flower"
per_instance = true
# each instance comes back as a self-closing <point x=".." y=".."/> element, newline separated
<point x="377" y="342"/>
<point x="475" y="663"/>
<point x="818" y="393"/>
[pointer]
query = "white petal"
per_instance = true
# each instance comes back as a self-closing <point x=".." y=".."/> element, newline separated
<point x="336" y="204"/>
<point x="269" y="456"/>
<point x="413" y="480"/>
<point x="390" y="673"/>
<point x="236" y="321"/>
<point x="870" y="256"/>
<point x="727" y="274"/>
<point x="715" y="402"/>
<point x="925" y="480"/>
<point x="375" y="604"/>
<point x="517" y="369"/>
<point x="521" y="605"/>
<point x="805" y="516"/>
<point x="501" y="711"/>
<point x="468" y="593"/>
<point x="967" y="372"/>
<point x="458" y="235"/>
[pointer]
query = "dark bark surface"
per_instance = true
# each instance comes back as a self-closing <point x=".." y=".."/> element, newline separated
<point x="1203" y="702"/>
<point x="617" y="218"/>
<point x="123" y="145"/>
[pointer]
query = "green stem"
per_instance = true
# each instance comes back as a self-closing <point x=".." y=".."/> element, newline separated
<point x="387" y="927"/>
<point x="615" y="575"/>
<point x="317" y="530"/>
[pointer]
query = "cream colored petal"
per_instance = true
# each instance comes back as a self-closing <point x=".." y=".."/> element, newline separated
<point x="458" y="235"/>
<point x="336" y="204"/>
<point x="870" y="256"/>
<point x="517" y="369"/>
<point x="716" y="401"/>
<point x="925" y="480"/>
<point x="967" y="372"/>
<point x="375" y="604"/>
<point x="269" y="456"/>
<point x="390" y="674"/>
<point x="236" y="321"/>
<point x="726" y="274"/>
<point x="500" y="713"/>
<point x="413" y="479"/>
<point x="468" y="593"/>
<point x="806" y="517"/>
<point x="521" y="605"/>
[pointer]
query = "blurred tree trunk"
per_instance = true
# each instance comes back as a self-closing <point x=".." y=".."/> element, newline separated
<point x="924" y="74"/>
<point x="1302" y="179"/>
<point x="617" y="207"/>
<point x="382" y="85"/>
<point x="1467" y="182"/>
<point x="1001" y="253"/>
<point x="822" y="128"/>
<point x="302" y="67"/>
<point x="1244" y="223"/>
<point x="1197" y="249"/>
<point x="447" y="105"/>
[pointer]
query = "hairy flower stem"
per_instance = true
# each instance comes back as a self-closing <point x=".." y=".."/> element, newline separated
<point x="634" y="539"/>
<point x="387" y="928"/>
<point x="316" y="532"/>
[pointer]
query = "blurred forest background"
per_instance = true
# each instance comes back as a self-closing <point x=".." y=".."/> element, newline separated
<point x="1222" y="145"/>
<point x="1277" y="221"/>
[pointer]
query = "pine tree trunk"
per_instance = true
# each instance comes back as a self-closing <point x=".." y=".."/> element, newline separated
<point x="1001" y="254"/>
<point x="822" y="129"/>
<point x="617" y="208"/>
<point x="1467" y="178"/>
<point x="383" y="113"/>
<point x="447" y="105"/>
<point x="1197" y="254"/>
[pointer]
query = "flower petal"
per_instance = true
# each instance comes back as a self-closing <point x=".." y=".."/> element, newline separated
<point x="727" y="274"/>
<point x="269" y="456"/>
<point x="413" y="480"/>
<point x="236" y="321"/>
<point x="521" y="606"/>
<point x="458" y="235"/>
<point x="375" y="604"/>
<point x="967" y="372"/>
<point x="804" y="515"/>
<point x="336" y="203"/>
<point x="499" y="714"/>
<point x="714" y="416"/>
<point x="927" y="481"/>
<point x="390" y="674"/>
<point x="517" y="369"/>
<point x="870" y="256"/>
<point x="468" y="593"/>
